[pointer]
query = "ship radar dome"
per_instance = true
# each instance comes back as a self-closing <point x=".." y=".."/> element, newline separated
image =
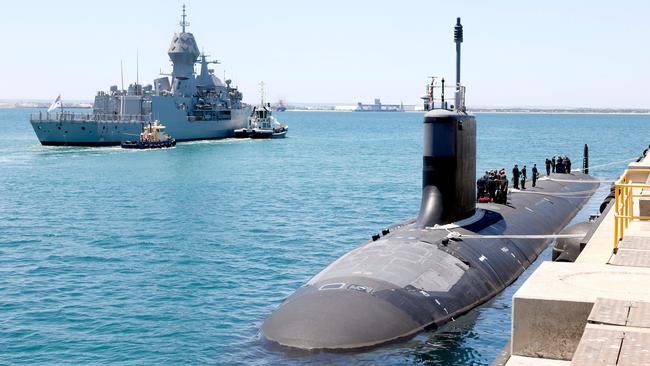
<point x="183" y="48"/>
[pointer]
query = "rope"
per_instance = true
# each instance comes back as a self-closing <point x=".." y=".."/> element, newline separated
<point x="576" y="180"/>
<point x="455" y="235"/>
<point x="629" y="160"/>
<point x="559" y="194"/>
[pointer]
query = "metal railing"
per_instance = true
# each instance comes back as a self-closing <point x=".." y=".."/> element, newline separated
<point x="457" y="99"/>
<point x="88" y="117"/>
<point x="624" y="203"/>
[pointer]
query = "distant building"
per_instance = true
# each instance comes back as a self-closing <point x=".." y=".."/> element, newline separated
<point x="378" y="107"/>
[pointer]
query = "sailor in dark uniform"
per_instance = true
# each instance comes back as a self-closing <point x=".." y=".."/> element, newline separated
<point x="548" y="166"/>
<point x="523" y="177"/>
<point x="559" y="165"/>
<point x="553" y="164"/>
<point x="515" y="177"/>
<point x="535" y="174"/>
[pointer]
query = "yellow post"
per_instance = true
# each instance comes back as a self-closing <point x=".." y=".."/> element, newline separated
<point x="631" y="204"/>
<point x="616" y="188"/>
<point x="627" y="206"/>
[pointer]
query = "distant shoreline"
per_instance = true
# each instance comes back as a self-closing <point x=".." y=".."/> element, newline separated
<point x="595" y="111"/>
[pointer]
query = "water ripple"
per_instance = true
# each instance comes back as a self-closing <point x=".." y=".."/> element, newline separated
<point x="177" y="256"/>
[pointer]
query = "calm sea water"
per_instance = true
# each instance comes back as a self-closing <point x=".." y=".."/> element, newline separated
<point x="176" y="256"/>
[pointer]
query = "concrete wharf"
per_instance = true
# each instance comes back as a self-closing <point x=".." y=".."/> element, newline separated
<point x="595" y="311"/>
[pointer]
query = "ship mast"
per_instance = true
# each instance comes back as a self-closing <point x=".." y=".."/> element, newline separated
<point x="184" y="23"/>
<point x="262" y="92"/>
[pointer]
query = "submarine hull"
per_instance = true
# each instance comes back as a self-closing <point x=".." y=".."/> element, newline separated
<point x="415" y="277"/>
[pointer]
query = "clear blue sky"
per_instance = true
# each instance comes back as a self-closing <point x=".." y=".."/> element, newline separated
<point x="516" y="53"/>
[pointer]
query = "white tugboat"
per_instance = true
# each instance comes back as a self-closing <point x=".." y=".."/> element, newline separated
<point x="262" y="124"/>
<point x="153" y="136"/>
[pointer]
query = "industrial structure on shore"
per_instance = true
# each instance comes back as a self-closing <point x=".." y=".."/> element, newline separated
<point x="379" y="107"/>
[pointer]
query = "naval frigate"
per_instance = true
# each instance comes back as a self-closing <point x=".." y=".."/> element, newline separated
<point x="193" y="107"/>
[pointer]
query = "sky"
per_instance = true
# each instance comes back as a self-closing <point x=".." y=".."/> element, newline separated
<point x="553" y="53"/>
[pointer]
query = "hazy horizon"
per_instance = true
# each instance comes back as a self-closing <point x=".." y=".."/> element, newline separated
<point x="583" y="54"/>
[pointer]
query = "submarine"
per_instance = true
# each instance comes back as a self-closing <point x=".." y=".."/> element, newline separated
<point x="428" y="270"/>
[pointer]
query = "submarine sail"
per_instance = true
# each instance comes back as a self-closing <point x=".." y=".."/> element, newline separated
<point x="424" y="272"/>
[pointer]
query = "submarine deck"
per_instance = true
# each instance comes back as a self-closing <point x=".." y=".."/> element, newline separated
<point x="595" y="311"/>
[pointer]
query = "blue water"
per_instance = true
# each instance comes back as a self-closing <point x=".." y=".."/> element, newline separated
<point x="176" y="256"/>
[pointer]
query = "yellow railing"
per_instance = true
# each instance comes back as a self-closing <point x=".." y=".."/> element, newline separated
<point x="624" y="203"/>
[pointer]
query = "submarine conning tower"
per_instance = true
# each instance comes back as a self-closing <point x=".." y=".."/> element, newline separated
<point x="449" y="158"/>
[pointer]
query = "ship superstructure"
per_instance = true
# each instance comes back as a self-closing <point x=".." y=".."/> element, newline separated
<point x="192" y="106"/>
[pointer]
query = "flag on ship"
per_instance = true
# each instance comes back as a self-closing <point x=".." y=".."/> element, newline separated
<point x="56" y="104"/>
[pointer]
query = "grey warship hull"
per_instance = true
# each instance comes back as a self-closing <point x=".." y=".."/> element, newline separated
<point x="95" y="130"/>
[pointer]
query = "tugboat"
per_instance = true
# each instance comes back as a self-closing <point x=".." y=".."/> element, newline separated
<point x="153" y="136"/>
<point x="262" y="124"/>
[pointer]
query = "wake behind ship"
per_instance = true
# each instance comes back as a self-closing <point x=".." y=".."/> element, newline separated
<point x="193" y="107"/>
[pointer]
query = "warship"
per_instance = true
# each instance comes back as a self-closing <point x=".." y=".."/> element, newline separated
<point x="193" y="107"/>
<point x="429" y="270"/>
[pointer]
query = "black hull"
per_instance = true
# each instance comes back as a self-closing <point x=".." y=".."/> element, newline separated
<point x="379" y="307"/>
<point x="260" y="134"/>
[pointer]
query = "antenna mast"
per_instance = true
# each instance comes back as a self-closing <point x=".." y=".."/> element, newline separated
<point x="262" y="91"/>
<point x="458" y="38"/>
<point x="460" y="90"/>
<point x="122" y="74"/>
<point x="184" y="23"/>
<point x="122" y="91"/>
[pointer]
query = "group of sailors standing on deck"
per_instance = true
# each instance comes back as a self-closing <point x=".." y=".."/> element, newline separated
<point x="520" y="176"/>
<point x="558" y="164"/>
<point x="492" y="187"/>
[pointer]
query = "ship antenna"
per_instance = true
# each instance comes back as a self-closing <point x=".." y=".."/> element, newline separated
<point x="137" y="67"/>
<point x="122" y="73"/>
<point x="262" y="91"/>
<point x="184" y="23"/>
<point x="122" y="91"/>
<point x="460" y="90"/>
<point x="458" y="38"/>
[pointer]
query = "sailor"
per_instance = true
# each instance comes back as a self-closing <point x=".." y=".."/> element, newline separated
<point x="493" y="186"/>
<point x="515" y="177"/>
<point x="481" y="185"/>
<point x="559" y="165"/>
<point x="535" y="174"/>
<point x="503" y="186"/>
<point x="548" y="166"/>
<point x="553" y="164"/>
<point x="523" y="177"/>
<point x="567" y="161"/>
